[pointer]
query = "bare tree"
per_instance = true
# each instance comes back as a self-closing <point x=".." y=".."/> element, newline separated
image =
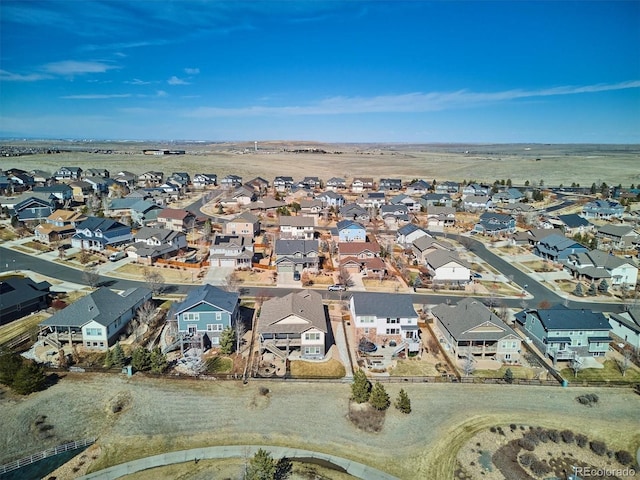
<point x="232" y="281"/>
<point x="91" y="276"/>
<point x="146" y="313"/>
<point x="625" y="362"/>
<point x="469" y="366"/>
<point x="155" y="280"/>
<point x="344" y="277"/>
<point x="240" y="329"/>
<point x="576" y="365"/>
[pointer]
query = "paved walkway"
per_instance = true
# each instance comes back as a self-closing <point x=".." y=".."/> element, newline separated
<point x="355" y="469"/>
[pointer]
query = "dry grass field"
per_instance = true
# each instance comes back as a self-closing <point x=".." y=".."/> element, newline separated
<point x="164" y="415"/>
<point x="554" y="164"/>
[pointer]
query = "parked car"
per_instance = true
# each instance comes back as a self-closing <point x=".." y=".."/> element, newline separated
<point x="296" y="276"/>
<point x="336" y="288"/>
<point x="114" y="257"/>
<point x="476" y="275"/>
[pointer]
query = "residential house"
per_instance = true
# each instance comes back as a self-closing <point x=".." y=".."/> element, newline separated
<point x="475" y="190"/>
<point x="390" y="184"/>
<point x="418" y="188"/>
<point x="477" y="203"/>
<point x="411" y="203"/>
<point x="436" y="199"/>
<point x="617" y="237"/>
<point x="126" y="179"/>
<point x="60" y="192"/>
<point x="151" y="179"/>
<point x="426" y="244"/>
<point x="336" y="183"/>
<point x="440" y="217"/>
<point x="244" y="224"/>
<point x="258" y="185"/>
<point x="296" y="322"/>
<point x="99" y="185"/>
<point x="360" y="184"/>
<point x="407" y="234"/>
<point x="183" y="178"/>
<point x="204" y="180"/>
<point x="447" y="187"/>
<point x="296" y="255"/>
<point x="573" y="224"/>
<point x="266" y="204"/>
<point x="596" y="265"/>
<point x="34" y="209"/>
<point x="121" y="207"/>
<point x="300" y="228"/>
<point x="515" y="208"/>
<point x="234" y="251"/>
<point x="59" y="225"/>
<point x="361" y="257"/>
<point x="96" y="172"/>
<point x="561" y="333"/>
<point x="240" y="196"/>
<point x="445" y="267"/>
<point x="331" y="199"/>
<point x="68" y="173"/>
<point x="510" y="195"/>
<point x="557" y="247"/>
<point x="177" y="219"/>
<point x="205" y="313"/>
<point x="231" y="181"/>
<point x="21" y="296"/>
<point x="98" y="233"/>
<point x="350" y="231"/>
<point x="311" y="207"/>
<point x="81" y="190"/>
<point x="494" y="224"/>
<point x="532" y="236"/>
<point x="282" y="183"/>
<point x="40" y="177"/>
<point x="144" y="212"/>
<point x="154" y="243"/>
<point x="312" y="183"/>
<point x="603" y="209"/>
<point x="394" y="215"/>
<point x="22" y="182"/>
<point x="371" y="200"/>
<point x="384" y="318"/>
<point x="626" y="326"/>
<point x="96" y="320"/>
<point x="470" y="330"/>
<point x="352" y="211"/>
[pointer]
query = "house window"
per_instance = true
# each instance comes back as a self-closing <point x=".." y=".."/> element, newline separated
<point x="312" y="336"/>
<point x="367" y="319"/>
<point x="192" y="329"/>
<point x="393" y="331"/>
<point x="393" y="320"/>
<point x="218" y="316"/>
<point x="312" y="350"/>
<point x="191" y="317"/>
<point x="507" y="356"/>
<point x="215" y="341"/>
<point x="214" y="327"/>
<point x="94" y="332"/>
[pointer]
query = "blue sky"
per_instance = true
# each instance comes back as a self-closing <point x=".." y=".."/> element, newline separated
<point x="352" y="71"/>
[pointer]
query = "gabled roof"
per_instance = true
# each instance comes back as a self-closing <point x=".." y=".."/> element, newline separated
<point x="564" y="318"/>
<point x="471" y="320"/>
<point x="214" y="296"/>
<point x="383" y="305"/>
<point x="350" y="224"/>
<point x="599" y="259"/>
<point x="245" y="217"/>
<point x="102" y="306"/>
<point x="560" y="242"/>
<point x="66" y="216"/>
<point x="162" y="234"/>
<point x="19" y="290"/>
<point x="305" y="304"/>
<point x="573" y="220"/>
<point x="427" y="241"/>
<point x="175" y="213"/>
<point x="355" y="248"/>
<point x="616" y="230"/>
<point x="96" y="223"/>
<point x="297" y="221"/>
<point x="630" y="319"/>
<point x="291" y="247"/>
<point x="439" y="258"/>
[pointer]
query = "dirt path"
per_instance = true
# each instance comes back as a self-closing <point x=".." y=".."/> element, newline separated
<point x="163" y="415"/>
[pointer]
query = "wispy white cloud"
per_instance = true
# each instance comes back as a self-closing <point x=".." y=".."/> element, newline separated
<point x="6" y="76"/>
<point x="177" y="81"/>
<point x="409" y="102"/>
<point x="192" y="71"/>
<point x="137" y="81"/>
<point x="74" y="67"/>
<point x="97" y="96"/>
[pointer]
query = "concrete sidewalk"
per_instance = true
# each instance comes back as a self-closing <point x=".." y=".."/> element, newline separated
<point x="355" y="469"/>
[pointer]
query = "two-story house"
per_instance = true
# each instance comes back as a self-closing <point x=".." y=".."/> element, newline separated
<point x="300" y="228"/>
<point x="495" y="224"/>
<point x="151" y="179"/>
<point x="176" y="219"/>
<point x="617" y="237"/>
<point x="557" y="247"/>
<point x="205" y="313"/>
<point x="336" y="183"/>
<point x="470" y="329"/>
<point x="234" y="251"/>
<point x="446" y="267"/>
<point x="244" y="224"/>
<point x="282" y="183"/>
<point x="59" y="225"/>
<point x="294" y="323"/>
<point x="331" y="199"/>
<point x="390" y="184"/>
<point x="603" y="209"/>
<point x="448" y="187"/>
<point x="434" y="199"/>
<point x="153" y="243"/>
<point x="360" y="184"/>
<point x="296" y="255"/>
<point x="596" y="265"/>
<point x="68" y="173"/>
<point x="231" y="181"/>
<point x="204" y="180"/>
<point x="99" y="233"/>
<point x="409" y="233"/>
<point x="352" y="211"/>
<point x="626" y="326"/>
<point x="384" y="317"/>
<point x="350" y="231"/>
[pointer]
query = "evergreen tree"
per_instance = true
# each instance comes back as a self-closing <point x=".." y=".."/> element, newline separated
<point x="117" y="355"/>
<point x="227" y="341"/>
<point x="360" y="388"/>
<point x="108" y="359"/>
<point x="604" y="286"/>
<point x="578" y="292"/>
<point x="508" y="376"/>
<point x="284" y="467"/>
<point x="592" y="290"/>
<point x="29" y="378"/>
<point x="261" y="466"/>
<point x="158" y="361"/>
<point x="379" y="398"/>
<point x="141" y="359"/>
<point x="403" y="403"/>
<point x="10" y="363"/>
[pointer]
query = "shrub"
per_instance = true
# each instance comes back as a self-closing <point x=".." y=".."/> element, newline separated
<point x="527" y="443"/>
<point x="263" y="391"/>
<point x="526" y="459"/>
<point x="624" y="457"/>
<point x="593" y="398"/>
<point x="403" y="403"/>
<point x="598" y="447"/>
<point x="492" y="429"/>
<point x="543" y="436"/>
<point x="554" y="436"/>
<point x="540" y="468"/>
<point x="512" y="427"/>
<point x="567" y="436"/>
<point x="581" y="440"/>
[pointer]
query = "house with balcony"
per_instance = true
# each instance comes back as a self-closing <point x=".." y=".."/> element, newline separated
<point x="385" y="318"/>
<point x="61" y="192"/>
<point x="603" y="209"/>
<point x="34" y="208"/>
<point x="352" y="211"/>
<point x="360" y="184"/>
<point x="331" y="199"/>
<point x="440" y="217"/>
<point x="151" y="244"/>
<point x="235" y="251"/>
<point x="418" y="188"/>
<point x="244" y="224"/>
<point x="561" y="333"/>
<point x="282" y="183"/>
<point x="96" y="172"/>
<point x="475" y="189"/>
<point x="411" y="203"/>
<point x="573" y="224"/>
<point x="448" y="187"/>
<point x="96" y="320"/>
<point x="351" y="231"/>
<point x="390" y="184"/>
<point x="371" y="199"/>
<point x="477" y="203"/>
<point x="311" y="207"/>
<point x="59" y="225"/>
<point x="557" y="247"/>
<point x="436" y="199"/>
<point x="258" y="185"/>
<point x="68" y="173"/>
<point x="336" y="183"/>
<point x="99" y="233"/>
<point x="294" y="324"/>
<point x="204" y="314"/>
<point x="394" y="216"/>
<point x="296" y="255"/>
<point x="617" y="237"/>
<point x="626" y="326"/>
<point x="596" y="265"/>
<point x="177" y="219"/>
<point x="204" y="180"/>
<point x="470" y="329"/>
<point x="495" y="224"/>
<point x="311" y="183"/>
<point x="422" y="246"/>
<point x="510" y="195"/>
<point x="301" y="228"/>
<point x="231" y="181"/>
<point x="151" y="179"/>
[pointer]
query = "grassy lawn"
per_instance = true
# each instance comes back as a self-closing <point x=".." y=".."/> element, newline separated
<point x="518" y="372"/>
<point x="499" y="288"/>
<point x="7" y="234"/>
<point x="539" y="266"/>
<point x="41" y="247"/>
<point x="413" y="368"/>
<point x="374" y="284"/>
<point x="610" y="372"/>
<point x="332" y="368"/>
<point x="170" y="275"/>
<point x="219" y="364"/>
<point x="21" y="326"/>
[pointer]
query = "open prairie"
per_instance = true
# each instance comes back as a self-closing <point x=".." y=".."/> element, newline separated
<point x="554" y="164"/>
<point x="159" y="415"/>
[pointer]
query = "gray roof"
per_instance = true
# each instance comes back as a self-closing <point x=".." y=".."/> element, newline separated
<point x="297" y="221"/>
<point x="469" y="314"/>
<point x="631" y="319"/>
<point x="438" y="258"/>
<point x="425" y="242"/>
<point x="291" y="247"/>
<point x="18" y="290"/>
<point x="305" y="304"/>
<point x="103" y="306"/>
<point x="214" y="296"/>
<point x="616" y="230"/>
<point x="564" y="318"/>
<point x="161" y="234"/>
<point x="383" y="305"/>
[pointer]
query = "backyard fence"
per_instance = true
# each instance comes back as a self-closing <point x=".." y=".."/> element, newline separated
<point x="50" y="452"/>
